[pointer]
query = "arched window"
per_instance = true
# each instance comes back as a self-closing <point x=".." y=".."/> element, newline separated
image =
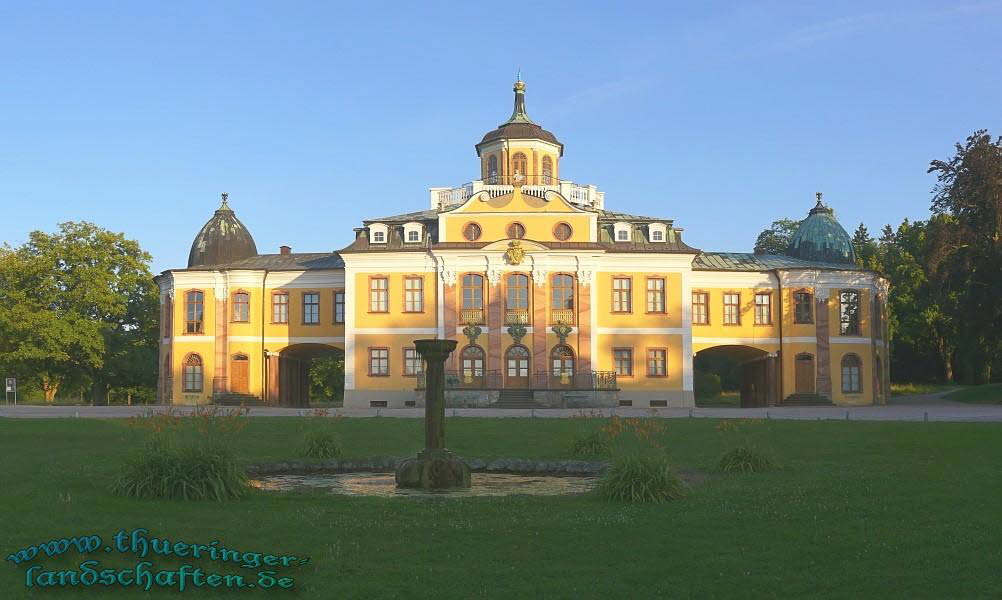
<point x="471" y="232"/>
<point x="562" y="361"/>
<point x="547" y="170"/>
<point x="492" y="169"/>
<point x="194" y="308"/>
<point x="471" y="363"/>
<point x="241" y="307"/>
<point x="519" y="164"/>
<point x="517" y="299"/>
<point x="516" y="231"/>
<point x="562" y="292"/>
<point x="192" y="373"/>
<point x="851" y="379"/>
<point x="562" y="231"/>
<point x="517" y="363"/>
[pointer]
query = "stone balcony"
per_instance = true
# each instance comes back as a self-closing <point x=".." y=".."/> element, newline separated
<point x="582" y="195"/>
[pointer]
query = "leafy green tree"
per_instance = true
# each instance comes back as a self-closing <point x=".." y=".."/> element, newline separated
<point x="866" y="249"/>
<point x="967" y="248"/>
<point x="78" y="307"/>
<point x="775" y="239"/>
<point x="327" y="377"/>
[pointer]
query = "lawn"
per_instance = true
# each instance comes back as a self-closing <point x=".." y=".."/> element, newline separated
<point x="978" y="394"/>
<point x="858" y="510"/>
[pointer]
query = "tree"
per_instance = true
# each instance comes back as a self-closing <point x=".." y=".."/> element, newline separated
<point x="776" y="238"/>
<point x="967" y="249"/>
<point x="78" y="306"/>
<point x="866" y="248"/>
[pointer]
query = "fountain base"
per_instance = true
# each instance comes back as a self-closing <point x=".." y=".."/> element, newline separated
<point x="434" y="470"/>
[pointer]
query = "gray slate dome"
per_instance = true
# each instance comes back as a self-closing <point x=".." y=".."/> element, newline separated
<point x="519" y="125"/>
<point x="821" y="238"/>
<point x="222" y="240"/>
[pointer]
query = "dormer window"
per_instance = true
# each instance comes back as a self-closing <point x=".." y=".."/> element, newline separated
<point x="412" y="233"/>
<point x="622" y="232"/>
<point x="657" y="232"/>
<point x="378" y="233"/>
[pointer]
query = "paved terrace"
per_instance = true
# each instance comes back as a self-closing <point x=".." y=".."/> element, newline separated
<point x="907" y="408"/>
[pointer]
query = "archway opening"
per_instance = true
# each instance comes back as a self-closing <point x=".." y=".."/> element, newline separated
<point x="735" y="376"/>
<point x="306" y="374"/>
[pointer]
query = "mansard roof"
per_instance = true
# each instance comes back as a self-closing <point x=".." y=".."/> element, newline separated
<point x="303" y="261"/>
<point x="746" y="261"/>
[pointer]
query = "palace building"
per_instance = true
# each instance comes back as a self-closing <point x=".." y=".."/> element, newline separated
<point x="556" y="300"/>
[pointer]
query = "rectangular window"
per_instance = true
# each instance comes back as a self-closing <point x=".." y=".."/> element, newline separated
<point x="802" y="310"/>
<point x="413" y="294"/>
<point x="413" y="365"/>
<point x="849" y="312"/>
<point x="241" y="307"/>
<point x="379" y="294"/>
<point x="700" y="308"/>
<point x="280" y="308"/>
<point x="732" y="309"/>
<point x="379" y="362"/>
<point x="339" y="306"/>
<point x="657" y="362"/>
<point x="311" y="308"/>
<point x="763" y="308"/>
<point x="622" y="298"/>
<point x="850" y="379"/>
<point x="194" y="312"/>
<point x="655" y="295"/>
<point x="623" y="360"/>
<point x="168" y="318"/>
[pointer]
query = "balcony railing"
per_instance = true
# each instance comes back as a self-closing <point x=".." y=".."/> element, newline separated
<point x="495" y="380"/>
<point x="516" y="316"/>
<point x="534" y="185"/>
<point x="562" y="314"/>
<point x="471" y="316"/>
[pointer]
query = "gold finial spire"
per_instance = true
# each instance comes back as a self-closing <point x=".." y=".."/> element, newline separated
<point x="518" y="114"/>
<point x="224" y="205"/>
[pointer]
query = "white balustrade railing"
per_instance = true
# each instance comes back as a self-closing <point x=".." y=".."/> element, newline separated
<point x="582" y="195"/>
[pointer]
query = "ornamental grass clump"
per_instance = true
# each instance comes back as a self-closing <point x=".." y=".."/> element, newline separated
<point x="745" y="459"/>
<point x="185" y="457"/>
<point x="591" y="444"/>
<point x="640" y="478"/>
<point x="321" y="440"/>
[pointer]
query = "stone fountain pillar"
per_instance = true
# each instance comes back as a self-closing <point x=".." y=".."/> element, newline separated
<point x="435" y="468"/>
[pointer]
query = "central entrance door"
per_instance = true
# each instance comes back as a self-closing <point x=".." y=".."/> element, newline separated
<point x="805" y="373"/>
<point x="517" y="367"/>
<point x="239" y="368"/>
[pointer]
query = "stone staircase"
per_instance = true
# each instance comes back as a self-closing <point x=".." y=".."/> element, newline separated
<point x="516" y="399"/>
<point x="806" y="400"/>
<point x="231" y="399"/>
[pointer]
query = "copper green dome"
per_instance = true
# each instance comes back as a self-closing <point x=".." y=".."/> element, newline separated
<point x="519" y="125"/>
<point x="821" y="238"/>
<point x="222" y="240"/>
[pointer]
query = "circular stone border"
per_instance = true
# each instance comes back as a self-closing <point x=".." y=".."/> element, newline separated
<point x="519" y="466"/>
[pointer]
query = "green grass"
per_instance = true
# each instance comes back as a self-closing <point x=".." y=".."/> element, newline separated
<point x="910" y="389"/>
<point x="979" y="394"/>
<point x="860" y="509"/>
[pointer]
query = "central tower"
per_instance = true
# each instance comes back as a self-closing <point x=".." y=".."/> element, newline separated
<point x="519" y="150"/>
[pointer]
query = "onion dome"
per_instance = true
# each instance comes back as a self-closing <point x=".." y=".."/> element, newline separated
<point x="821" y="238"/>
<point x="519" y="126"/>
<point x="222" y="240"/>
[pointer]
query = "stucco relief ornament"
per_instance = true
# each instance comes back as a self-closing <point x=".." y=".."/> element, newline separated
<point x="517" y="332"/>
<point x="472" y="332"/>
<point x="562" y="330"/>
<point x="515" y="253"/>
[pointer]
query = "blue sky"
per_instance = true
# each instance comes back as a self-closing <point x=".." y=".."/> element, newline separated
<point x="313" y="116"/>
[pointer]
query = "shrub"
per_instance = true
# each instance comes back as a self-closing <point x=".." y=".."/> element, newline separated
<point x="640" y="478"/>
<point x="706" y="384"/>
<point x="165" y="471"/>
<point x="321" y="443"/>
<point x="745" y="460"/>
<point x="595" y="443"/>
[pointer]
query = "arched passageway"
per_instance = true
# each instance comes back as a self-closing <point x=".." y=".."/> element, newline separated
<point x="752" y="371"/>
<point x="289" y="380"/>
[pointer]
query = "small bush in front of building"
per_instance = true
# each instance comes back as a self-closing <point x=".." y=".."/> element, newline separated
<point x="163" y="470"/>
<point x="706" y="385"/>
<point x="641" y="478"/>
<point x="594" y="443"/>
<point x="321" y="443"/>
<point x="745" y="459"/>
